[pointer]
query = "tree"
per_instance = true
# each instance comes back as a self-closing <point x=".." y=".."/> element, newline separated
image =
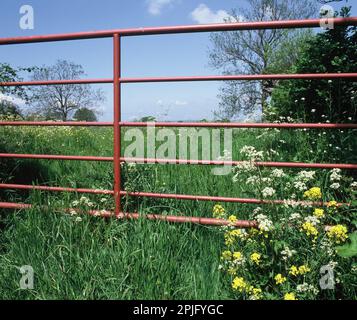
<point x="9" y="108"/>
<point x="61" y="101"/>
<point x="85" y="114"/>
<point x="333" y="51"/>
<point x="254" y="52"/>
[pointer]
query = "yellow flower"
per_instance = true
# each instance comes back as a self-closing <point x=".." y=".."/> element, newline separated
<point x="290" y="296"/>
<point x="279" y="279"/>
<point x="319" y="213"/>
<point x="255" y="257"/>
<point x="338" y="233"/>
<point x="313" y="193"/>
<point x="332" y="204"/>
<point x="294" y="271"/>
<point x="239" y="284"/>
<point x="237" y="256"/>
<point x="310" y="230"/>
<point x="256" y="293"/>
<point x="226" y="255"/>
<point x="232" y="219"/>
<point x="218" y="211"/>
<point x="304" y="269"/>
<point x="232" y="271"/>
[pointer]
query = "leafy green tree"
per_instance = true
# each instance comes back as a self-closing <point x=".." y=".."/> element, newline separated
<point x="85" y="114"/>
<point x="333" y="51"/>
<point x="9" y="108"/>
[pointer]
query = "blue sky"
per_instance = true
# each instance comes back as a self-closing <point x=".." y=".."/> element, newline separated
<point x="167" y="55"/>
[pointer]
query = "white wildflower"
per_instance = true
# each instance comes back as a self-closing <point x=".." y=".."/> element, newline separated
<point x="335" y="186"/>
<point x="268" y="192"/>
<point x="278" y="173"/>
<point x="335" y="175"/>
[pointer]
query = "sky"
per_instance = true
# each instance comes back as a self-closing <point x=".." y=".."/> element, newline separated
<point x="164" y="55"/>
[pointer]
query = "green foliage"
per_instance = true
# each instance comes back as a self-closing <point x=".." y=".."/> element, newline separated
<point x="85" y="114"/>
<point x="333" y="51"/>
<point x="8" y="108"/>
<point x="350" y="249"/>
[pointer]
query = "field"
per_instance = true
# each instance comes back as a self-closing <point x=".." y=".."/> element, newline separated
<point x="80" y="257"/>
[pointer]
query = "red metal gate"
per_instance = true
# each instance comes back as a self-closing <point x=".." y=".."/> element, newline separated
<point x="117" y="124"/>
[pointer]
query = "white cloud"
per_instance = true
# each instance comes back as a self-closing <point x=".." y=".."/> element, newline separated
<point x="203" y="14"/>
<point x="12" y="99"/>
<point x="155" y="6"/>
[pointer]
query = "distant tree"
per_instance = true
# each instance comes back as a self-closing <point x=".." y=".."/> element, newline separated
<point x="333" y="51"/>
<point x="9" y="108"/>
<point x="9" y="74"/>
<point x="148" y="119"/>
<point x="253" y="52"/>
<point x="85" y="114"/>
<point x="62" y="101"/>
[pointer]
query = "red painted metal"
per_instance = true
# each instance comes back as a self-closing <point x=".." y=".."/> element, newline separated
<point x="117" y="119"/>
<point x="54" y="82"/>
<point x="282" y="24"/>
<point x="219" y="199"/>
<point x="244" y="224"/>
<point x="55" y="124"/>
<point x="242" y="125"/>
<point x="117" y="80"/>
<point x="243" y="77"/>
<point x="55" y="157"/>
<point x="54" y="189"/>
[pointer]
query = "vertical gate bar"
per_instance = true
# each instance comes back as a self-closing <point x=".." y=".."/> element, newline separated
<point x="117" y="126"/>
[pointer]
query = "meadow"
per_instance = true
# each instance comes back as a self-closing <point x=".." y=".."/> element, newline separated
<point x="80" y="257"/>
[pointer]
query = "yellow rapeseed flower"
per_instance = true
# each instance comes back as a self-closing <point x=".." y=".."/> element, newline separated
<point x="226" y="255"/>
<point x="218" y="211"/>
<point x="319" y="213"/>
<point x="310" y="230"/>
<point x="332" y="204"/>
<point x="255" y="257"/>
<point x="313" y="194"/>
<point x="237" y="256"/>
<point x="279" y="279"/>
<point x="232" y="219"/>
<point x="294" y="271"/>
<point x="304" y="269"/>
<point x="239" y="284"/>
<point x="338" y="233"/>
<point x="290" y="296"/>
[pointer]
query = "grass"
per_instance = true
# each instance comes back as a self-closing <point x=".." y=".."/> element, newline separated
<point x="108" y="259"/>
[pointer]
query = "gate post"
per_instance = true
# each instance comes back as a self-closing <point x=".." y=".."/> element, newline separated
<point x="117" y="127"/>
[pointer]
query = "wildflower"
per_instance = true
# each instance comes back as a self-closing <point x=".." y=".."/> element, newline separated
<point x="335" y="186"/>
<point x="232" y="219"/>
<point x="78" y="219"/>
<point x="287" y="253"/>
<point x="226" y="255"/>
<point x="335" y="175"/>
<point x="279" y="279"/>
<point x="313" y="193"/>
<point x="299" y="185"/>
<point x="319" y="213"/>
<point x="353" y="185"/>
<point x="295" y="216"/>
<point x="238" y="258"/>
<point x="294" y="271"/>
<point x="313" y="220"/>
<point x="264" y="224"/>
<point x="268" y="192"/>
<point x="218" y="211"/>
<point x="304" y="269"/>
<point x="306" y="175"/>
<point x="255" y="293"/>
<point x="255" y="257"/>
<point x="310" y="230"/>
<point x="289" y="296"/>
<point x="338" y="233"/>
<point x="239" y="284"/>
<point x="278" y="173"/>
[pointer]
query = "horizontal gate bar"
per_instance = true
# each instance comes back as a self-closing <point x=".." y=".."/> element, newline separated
<point x="54" y="82"/>
<point x="254" y="77"/>
<point x="242" y="125"/>
<point x="56" y="124"/>
<point x="54" y="157"/>
<point x="218" y="199"/>
<point x="159" y="195"/>
<point x="180" y="161"/>
<point x="283" y="24"/>
<point x="136" y="216"/>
